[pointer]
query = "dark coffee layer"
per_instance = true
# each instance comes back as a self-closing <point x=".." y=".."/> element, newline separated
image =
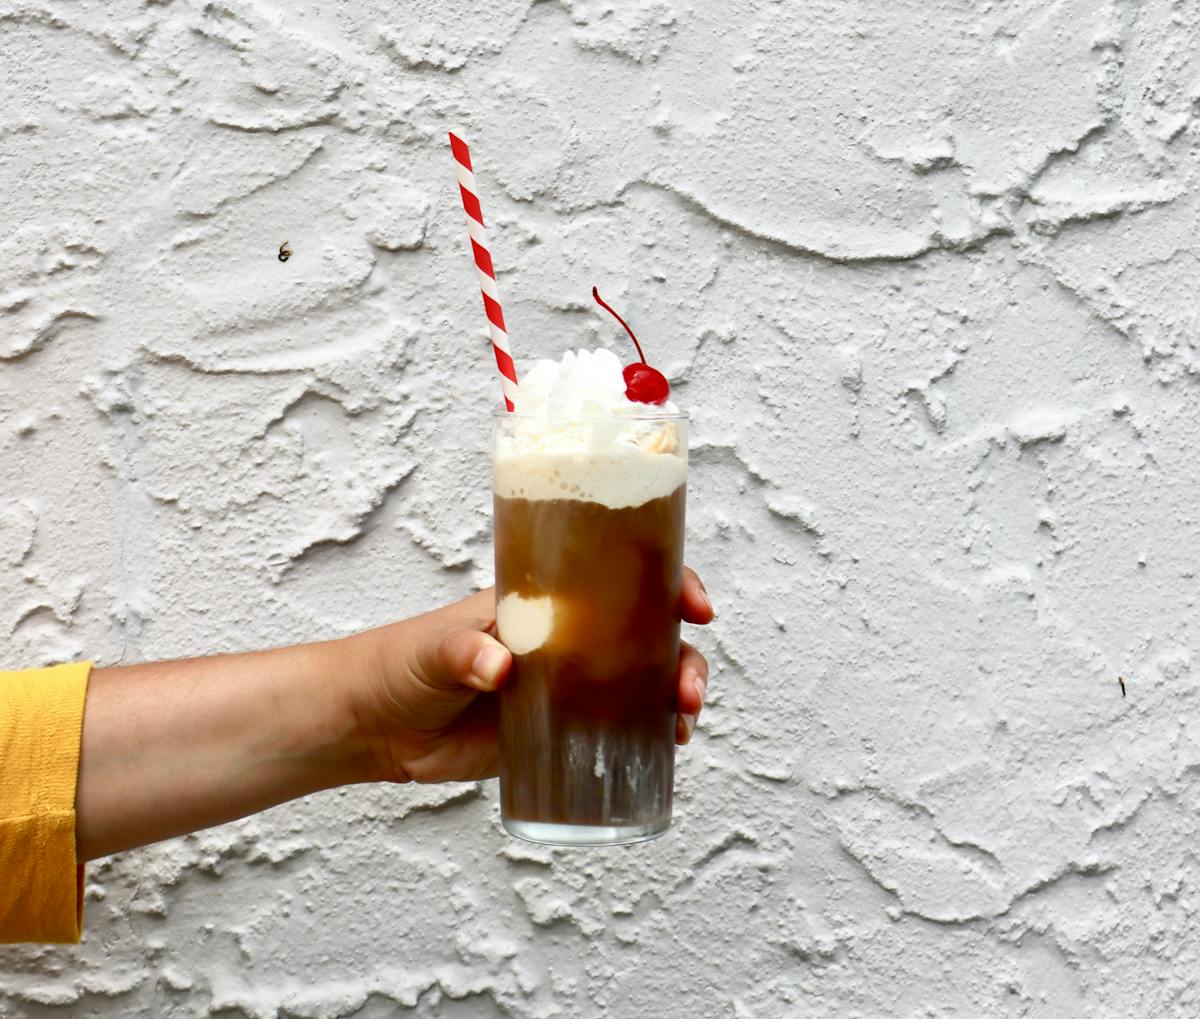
<point x="588" y="718"/>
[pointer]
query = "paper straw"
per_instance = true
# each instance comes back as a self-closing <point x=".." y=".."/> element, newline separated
<point x="487" y="274"/>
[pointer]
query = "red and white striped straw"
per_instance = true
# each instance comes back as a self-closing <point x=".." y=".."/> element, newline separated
<point x="487" y="274"/>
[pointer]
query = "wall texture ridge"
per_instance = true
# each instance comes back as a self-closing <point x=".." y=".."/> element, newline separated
<point x="925" y="274"/>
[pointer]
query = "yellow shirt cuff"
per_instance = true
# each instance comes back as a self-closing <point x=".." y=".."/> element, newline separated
<point x="41" y="723"/>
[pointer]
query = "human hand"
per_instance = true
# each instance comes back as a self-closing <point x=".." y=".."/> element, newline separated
<point x="425" y="702"/>
<point x="173" y="747"/>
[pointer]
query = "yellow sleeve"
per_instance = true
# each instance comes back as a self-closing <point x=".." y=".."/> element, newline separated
<point x="41" y="722"/>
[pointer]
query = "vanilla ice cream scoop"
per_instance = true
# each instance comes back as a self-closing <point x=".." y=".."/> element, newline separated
<point x="524" y="624"/>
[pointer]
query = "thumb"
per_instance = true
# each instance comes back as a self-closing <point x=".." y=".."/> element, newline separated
<point x="471" y="658"/>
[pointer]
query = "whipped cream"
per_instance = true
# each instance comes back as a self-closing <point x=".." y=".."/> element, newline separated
<point x="587" y="382"/>
<point x="575" y="435"/>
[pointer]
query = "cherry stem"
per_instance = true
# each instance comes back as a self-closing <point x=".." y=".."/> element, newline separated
<point x="600" y="301"/>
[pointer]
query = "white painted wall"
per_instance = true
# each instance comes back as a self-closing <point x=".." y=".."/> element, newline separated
<point x="926" y="273"/>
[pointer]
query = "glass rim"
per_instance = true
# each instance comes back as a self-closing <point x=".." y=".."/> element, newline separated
<point x="500" y="414"/>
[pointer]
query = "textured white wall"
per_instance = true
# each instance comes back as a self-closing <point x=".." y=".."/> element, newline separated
<point x="924" y="271"/>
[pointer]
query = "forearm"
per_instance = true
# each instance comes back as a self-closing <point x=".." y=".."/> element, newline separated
<point x="172" y="747"/>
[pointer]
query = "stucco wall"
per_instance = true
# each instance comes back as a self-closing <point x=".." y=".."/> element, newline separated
<point x="925" y="272"/>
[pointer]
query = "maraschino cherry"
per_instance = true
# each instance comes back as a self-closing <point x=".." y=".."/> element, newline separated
<point x="643" y="384"/>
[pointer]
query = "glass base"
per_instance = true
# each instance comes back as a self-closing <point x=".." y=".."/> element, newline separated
<point x="549" y="834"/>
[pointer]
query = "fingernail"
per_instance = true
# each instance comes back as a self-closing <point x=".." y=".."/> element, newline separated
<point x="701" y="688"/>
<point x="488" y="665"/>
<point x="683" y="729"/>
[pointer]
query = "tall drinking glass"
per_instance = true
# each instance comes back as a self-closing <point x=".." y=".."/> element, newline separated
<point x="589" y="515"/>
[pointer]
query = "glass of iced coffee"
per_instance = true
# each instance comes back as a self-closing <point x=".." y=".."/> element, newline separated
<point x="589" y="515"/>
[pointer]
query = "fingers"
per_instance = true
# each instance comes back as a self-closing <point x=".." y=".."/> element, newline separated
<point x="489" y="665"/>
<point x="472" y="754"/>
<point x="467" y="657"/>
<point x="476" y="611"/>
<point x="693" y="679"/>
<point x="695" y="606"/>
<point x="479" y="756"/>
<point x="693" y="685"/>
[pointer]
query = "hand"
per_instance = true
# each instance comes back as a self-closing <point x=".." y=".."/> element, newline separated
<point x="173" y="747"/>
<point x="426" y="707"/>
